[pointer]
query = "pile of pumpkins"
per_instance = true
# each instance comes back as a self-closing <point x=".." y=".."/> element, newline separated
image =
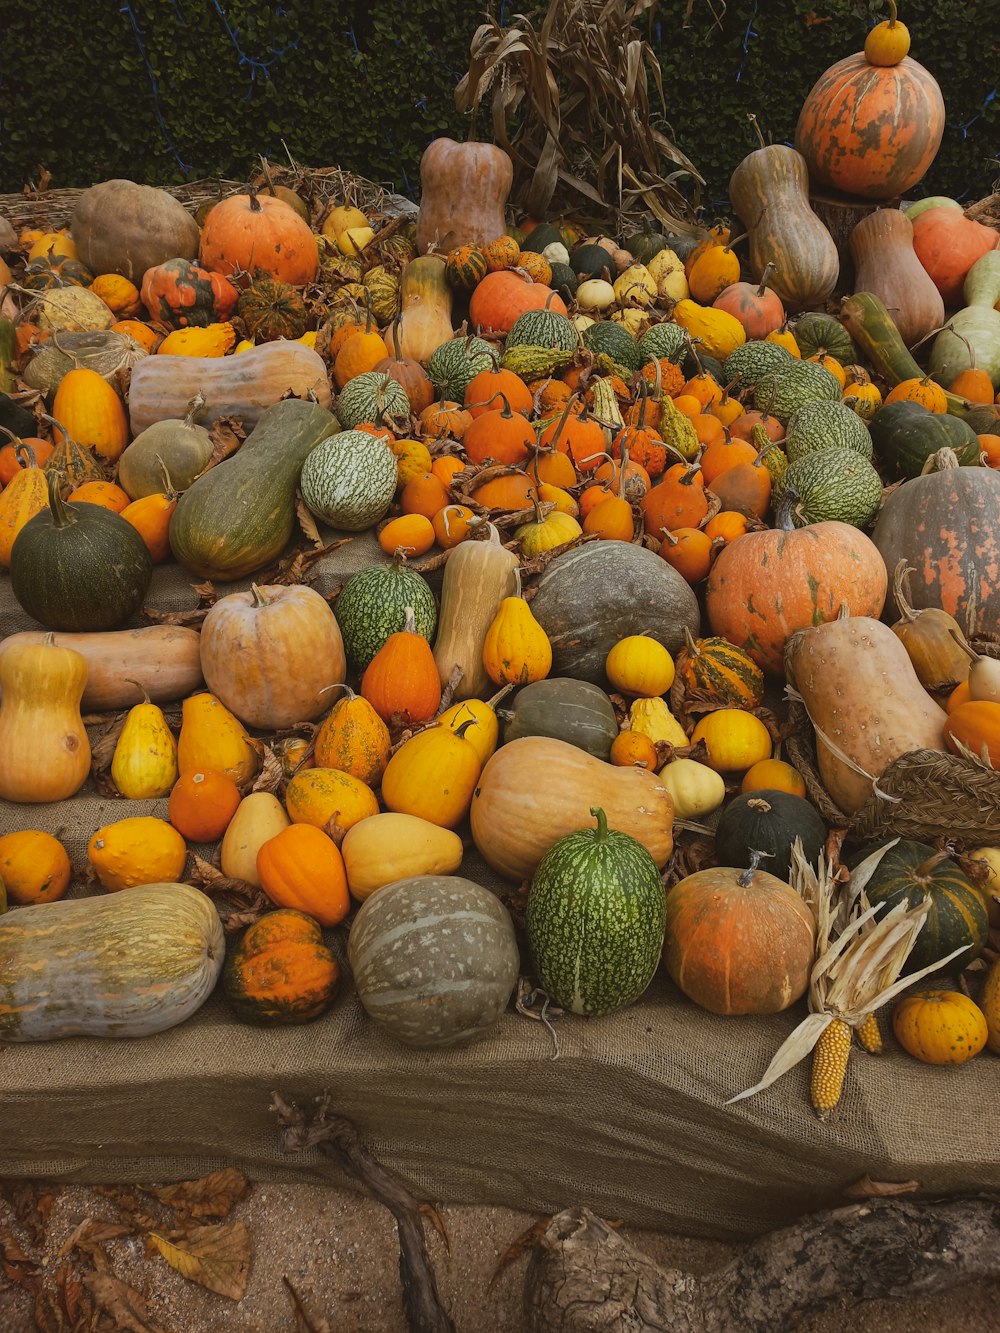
<point x="657" y="475"/>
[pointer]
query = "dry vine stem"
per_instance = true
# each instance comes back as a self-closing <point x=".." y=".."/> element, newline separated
<point x="585" y="1278"/>
<point x="337" y="1137"/>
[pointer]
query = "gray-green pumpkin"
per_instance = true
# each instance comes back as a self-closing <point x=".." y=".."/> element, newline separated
<point x="167" y="454"/>
<point x="434" y="959"/>
<point x="456" y="363"/>
<point x="606" y="339"/>
<point x="595" y="919"/>
<point x="373" y="605"/>
<point x="830" y="484"/>
<point x="752" y="360"/>
<point x="825" y="425"/>
<point x="783" y="391"/>
<point x="566" y="710"/>
<point x="349" y="480"/>
<point x="373" y="396"/>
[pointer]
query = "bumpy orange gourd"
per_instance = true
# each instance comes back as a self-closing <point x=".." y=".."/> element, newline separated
<point x="302" y="868"/>
<point x="24" y="496"/>
<point x="402" y="678"/>
<point x="137" y="851"/>
<point x="211" y="737"/>
<point x="353" y="739"/>
<point x="329" y="799"/>
<point x="410" y="534"/>
<point x="516" y="650"/>
<point x="281" y="971"/>
<point x="940" y="1027"/>
<point x="433" y="776"/>
<point x="34" y="867"/>
<point x="44" y="750"/>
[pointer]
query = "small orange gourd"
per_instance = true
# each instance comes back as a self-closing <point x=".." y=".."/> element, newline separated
<point x="689" y="551"/>
<point x="484" y="390"/>
<point x="150" y="516"/>
<point x="401" y="681"/>
<point x="940" y="1027"/>
<point x="923" y="391"/>
<point x="410" y="535"/>
<point x="130" y="852"/>
<point x="745" y="488"/>
<point x="723" y="454"/>
<point x="633" y="749"/>
<point x="281" y="971"/>
<point x="24" y="496"/>
<point x="424" y="494"/>
<point x="354" y="739"/>
<point x="452" y="524"/>
<point x="103" y="493"/>
<point x="302" y="868"/>
<point x="34" y="867"/>
<point x="677" y="501"/>
<point x="202" y="804"/>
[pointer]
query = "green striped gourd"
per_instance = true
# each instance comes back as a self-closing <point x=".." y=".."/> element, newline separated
<point x="609" y="340"/>
<point x="434" y="959"/>
<point x="831" y="484"/>
<point x="720" y="673"/>
<point x="543" y="328"/>
<point x="373" y="396"/>
<point x="752" y="360"/>
<point x="534" y="363"/>
<point x="783" y="391"/>
<point x="457" y="362"/>
<point x="373" y="605"/>
<point x="382" y="287"/>
<point x="465" y="267"/>
<point x="817" y="332"/>
<point x="595" y="919"/>
<point x="665" y="339"/>
<point x="825" y="425"/>
<point x="349" y="480"/>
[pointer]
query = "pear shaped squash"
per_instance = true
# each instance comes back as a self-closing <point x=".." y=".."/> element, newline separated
<point x="211" y="737"/>
<point x="144" y="766"/>
<point x="44" y="750"/>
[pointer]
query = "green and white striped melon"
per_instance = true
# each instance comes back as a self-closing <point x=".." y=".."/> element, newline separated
<point x="752" y="360"/>
<point x="825" y="425"/>
<point x="595" y="920"/>
<point x="543" y="328"/>
<point x="783" y="391"/>
<point x="665" y="339"/>
<point x="435" y="959"/>
<point x="831" y="484"/>
<point x="817" y="332"/>
<point x="349" y="480"/>
<point x="611" y="340"/>
<point x="373" y="605"/>
<point x="457" y="362"/>
<point x="373" y="396"/>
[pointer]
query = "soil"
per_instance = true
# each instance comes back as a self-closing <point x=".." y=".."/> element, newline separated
<point x="339" y="1252"/>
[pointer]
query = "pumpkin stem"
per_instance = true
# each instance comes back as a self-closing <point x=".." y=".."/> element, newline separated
<point x="574" y="396"/>
<point x="901" y="590"/>
<point x="746" y="879"/>
<point x="924" y="871"/>
<point x="756" y="129"/>
<point x="602" y="823"/>
<point x="892" y="13"/>
<point x="410" y="622"/>
<point x="62" y="514"/>
<point x="14" y="439"/>
<point x="500" y="694"/>
<point x="340" y="685"/>
<point x="259" y="599"/>
<point x="764" y="277"/>
<point x="463" y="727"/>
<point x="966" y="647"/>
<point x="194" y="409"/>
<point x="21" y="448"/>
<point x="940" y="462"/>
<point x="140" y="687"/>
<point x="690" y="643"/>
<point x="786" y="508"/>
<point x="255" y="206"/>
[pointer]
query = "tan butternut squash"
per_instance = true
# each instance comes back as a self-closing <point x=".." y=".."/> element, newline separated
<point x="536" y="790"/>
<point x="163" y="660"/>
<point x="44" y="750"/>
<point x="477" y="578"/>
<point x="385" y="848"/>
<point x="864" y="701"/>
<point x="424" y="322"/>
<point x="885" y="263"/>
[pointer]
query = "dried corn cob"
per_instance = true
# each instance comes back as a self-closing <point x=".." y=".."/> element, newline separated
<point x="829" y="1066"/>
<point x="869" y="1036"/>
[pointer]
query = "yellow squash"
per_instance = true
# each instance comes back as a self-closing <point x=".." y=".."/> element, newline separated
<point x="325" y="797"/>
<point x="433" y="776"/>
<point x="388" y="847"/>
<point x="144" y="766"/>
<point x="516" y="650"/>
<point x="211" y="737"/>
<point x="44" y="750"/>
<point x="137" y="851"/>
<point x="259" y="817"/>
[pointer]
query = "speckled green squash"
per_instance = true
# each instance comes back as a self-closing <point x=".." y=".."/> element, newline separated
<point x="373" y="605"/>
<point x="122" y="965"/>
<point x="456" y="363"/>
<point x="595" y="920"/>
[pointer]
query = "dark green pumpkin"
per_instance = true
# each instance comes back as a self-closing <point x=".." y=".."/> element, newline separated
<point x="683" y="245"/>
<point x="984" y="418"/>
<point x="957" y="915"/>
<point x="565" y="710"/>
<point x="541" y="236"/>
<point x="564" y="280"/>
<point x="592" y="261"/>
<point x="79" y="567"/>
<point x="605" y="338"/>
<point x="904" y="435"/>
<point x="239" y="516"/>
<point x="595" y="919"/>
<point x="817" y="332"/>
<point x="645" y="243"/>
<point x="373" y="605"/>
<point x="272" y="309"/>
<point x="768" y="821"/>
<point x="695" y="363"/>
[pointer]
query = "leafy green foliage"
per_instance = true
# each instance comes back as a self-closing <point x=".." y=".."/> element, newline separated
<point x="169" y="90"/>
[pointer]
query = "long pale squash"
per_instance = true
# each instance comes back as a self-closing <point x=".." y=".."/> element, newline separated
<point x="425" y="310"/>
<point x="477" y="577"/>
<point x="124" y="965"/>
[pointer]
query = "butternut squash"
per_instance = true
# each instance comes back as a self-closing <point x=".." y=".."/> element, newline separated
<point x="885" y="263"/>
<point x="44" y="750"/>
<point x="864" y="700"/>
<point x="389" y="847"/>
<point x="477" y="578"/>
<point x="424" y="322"/>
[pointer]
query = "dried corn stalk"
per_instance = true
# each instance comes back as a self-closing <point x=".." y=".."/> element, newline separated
<point x="859" y="956"/>
<point x="589" y="132"/>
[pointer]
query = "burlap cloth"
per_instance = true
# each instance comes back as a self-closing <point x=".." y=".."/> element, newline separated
<point x="628" y="1118"/>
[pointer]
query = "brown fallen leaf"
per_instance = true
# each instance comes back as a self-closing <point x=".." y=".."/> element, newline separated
<point x="31" y="1204"/>
<point x="238" y="902"/>
<point x="306" y="522"/>
<point x="69" y="1287"/>
<point x="92" y="1232"/>
<point x="19" y="1267"/>
<point x="212" y="1196"/>
<point x="122" y="1303"/>
<point x="226" y="435"/>
<point x="866" y="1188"/>
<point x="194" y="617"/>
<point x="525" y="1242"/>
<point x="270" y="774"/>
<point x="216" y="1257"/>
<point x="303" y="1323"/>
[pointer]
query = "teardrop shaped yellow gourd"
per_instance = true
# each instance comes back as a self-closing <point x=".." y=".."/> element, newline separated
<point x="485" y="731"/>
<point x="654" y="719"/>
<point x="212" y="737"/>
<point x="517" y="650"/>
<point x="144" y="766"/>
<point x="433" y="776"/>
<point x="354" y="739"/>
<point x="259" y="817"/>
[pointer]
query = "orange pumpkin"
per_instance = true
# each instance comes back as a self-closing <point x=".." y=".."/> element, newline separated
<point x="689" y="551"/>
<point x="410" y="534"/>
<point x="633" y="749"/>
<point x="444" y="418"/>
<point x="423" y="494"/>
<point x="302" y="868"/>
<point x="247" y="234"/>
<point x="202" y="804"/>
<point x="500" y="434"/>
<point x="678" y="501"/>
<point x="976" y="726"/>
<point x="401" y="681"/>
<point x="103" y="493"/>
<point x="151" y="516"/>
<point x="502" y="297"/>
<point x="34" y="867"/>
<point x="451" y="525"/>
<point x="354" y="739"/>
<point x="281" y="971"/>
<point x="11" y="465"/>
<point x="485" y="391"/>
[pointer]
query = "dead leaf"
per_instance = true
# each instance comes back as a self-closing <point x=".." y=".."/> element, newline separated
<point x="69" y="1286"/>
<point x="428" y="1210"/>
<point x="303" y="1323"/>
<point x="306" y="522"/>
<point x="525" y="1242"/>
<point x="297" y="564"/>
<point x="31" y="1204"/>
<point x="226" y="434"/>
<point x="866" y="1188"/>
<point x="216" y="1257"/>
<point x="18" y="1266"/>
<point x="194" y="617"/>
<point x="270" y="775"/>
<point x="122" y="1303"/>
<point x="92" y="1232"/>
<point x="212" y="1196"/>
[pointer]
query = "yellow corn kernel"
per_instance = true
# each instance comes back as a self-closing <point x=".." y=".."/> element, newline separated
<point x="869" y="1036"/>
<point x="829" y="1067"/>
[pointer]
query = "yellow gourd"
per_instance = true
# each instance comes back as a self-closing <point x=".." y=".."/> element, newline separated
<point x="638" y="286"/>
<point x="545" y="532"/>
<point x="695" y="789"/>
<point x="144" y="766"/>
<point x="640" y="666"/>
<point x="212" y="340"/>
<point x="991" y="889"/>
<point x="735" y="739"/>
<point x="44" y="750"/>
<point x="516" y="650"/>
<point x="718" y="333"/>
<point x="354" y="739"/>
<point x="485" y="730"/>
<point x="24" y="496"/>
<point x="940" y="1027"/>
<point x="91" y="412"/>
<point x="433" y="776"/>
<point x="654" y="719"/>
<point x="137" y="851"/>
<point x="259" y="817"/>
<point x="211" y="737"/>
<point x="388" y="847"/>
<point x="328" y="799"/>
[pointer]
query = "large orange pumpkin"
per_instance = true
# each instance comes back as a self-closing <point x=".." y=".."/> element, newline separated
<point x="250" y="233"/>
<point x="501" y="298"/>
<point x="871" y="130"/>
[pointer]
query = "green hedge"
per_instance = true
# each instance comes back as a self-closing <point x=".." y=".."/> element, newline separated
<point x="172" y="90"/>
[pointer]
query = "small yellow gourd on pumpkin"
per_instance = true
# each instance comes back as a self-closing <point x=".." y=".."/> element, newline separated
<point x="940" y="1027"/>
<point x="547" y="530"/>
<point x="485" y="730"/>
<point x="433" y="776"/>
<point x="144" y="766"/>
<point x="654" y="719"/>
<point x="130" y="852"/>
<point x="516" y="650"/>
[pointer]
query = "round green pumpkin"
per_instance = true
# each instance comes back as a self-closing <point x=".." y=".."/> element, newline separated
<point x="769" y="822"/>
<point x="349" y="480"/>
<point x="957" y="916"/>
<point x="906" y="434"/>
<point x="79" y="567"/>
<point x="373" y="605"/>
<point x="591" y="261"/>
<point x="595" y="919"/>
<point x="434" y="959"/>
<point x="566" y="710"/>
<point x="817" y="332"/>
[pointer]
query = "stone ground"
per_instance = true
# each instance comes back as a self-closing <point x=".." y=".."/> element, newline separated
<point x="339" y="1252"/>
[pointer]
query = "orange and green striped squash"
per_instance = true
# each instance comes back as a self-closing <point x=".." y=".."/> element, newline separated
<point x="465" y="267"/>
<point x="718" y="671"/>
<point x="281" y="971"/>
